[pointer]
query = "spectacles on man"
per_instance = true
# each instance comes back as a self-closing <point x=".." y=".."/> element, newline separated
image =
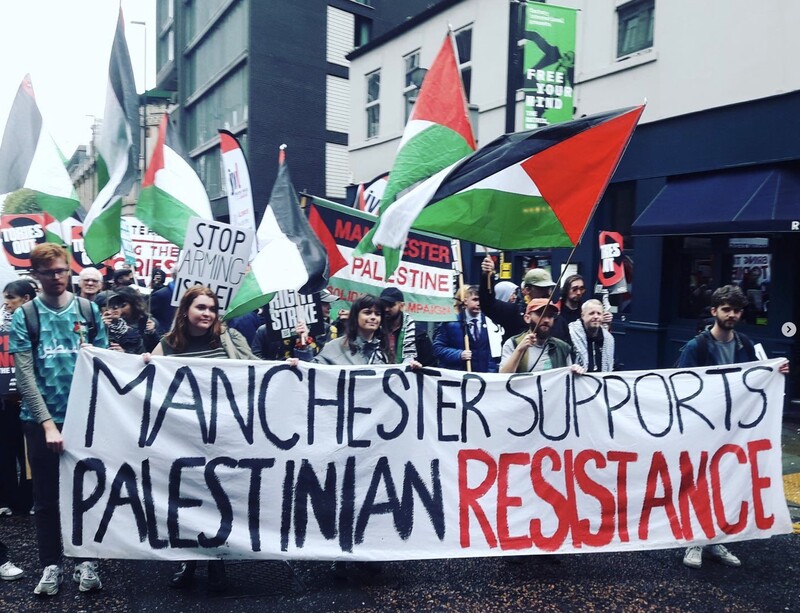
<point x="52" y="273"/>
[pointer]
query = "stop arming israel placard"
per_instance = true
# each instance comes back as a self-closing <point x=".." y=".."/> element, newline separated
<point x="215" y="254"/>
<point x="189" y="458"/>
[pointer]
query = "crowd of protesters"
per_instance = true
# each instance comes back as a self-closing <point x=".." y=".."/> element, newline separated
<point x="500" y="327"/>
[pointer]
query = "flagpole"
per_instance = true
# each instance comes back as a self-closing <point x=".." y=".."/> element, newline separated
<point x="457" y="246"/>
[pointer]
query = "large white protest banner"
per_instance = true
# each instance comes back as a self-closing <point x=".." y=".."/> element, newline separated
<point x="190" y="458"/>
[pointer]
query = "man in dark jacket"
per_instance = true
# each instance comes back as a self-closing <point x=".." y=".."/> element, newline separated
<point x="449" y="339"/>
<point x="717" y="345"/>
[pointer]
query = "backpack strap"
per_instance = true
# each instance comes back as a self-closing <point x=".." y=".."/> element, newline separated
<point x="87" y="313"/>
<point x="31" y="314"/>
<point x="702" y="349"/>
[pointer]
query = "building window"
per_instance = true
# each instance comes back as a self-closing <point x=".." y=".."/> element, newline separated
<point x="362" y="31"/>
<point x="464" y="48"/>
<point x="707" y="263"/>
<point x="373" y="103"/>
<point x="635" y="29"/>
<point x="411" y="83"/>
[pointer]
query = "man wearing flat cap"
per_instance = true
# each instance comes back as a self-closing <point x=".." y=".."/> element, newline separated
<point x="535" y="349"/>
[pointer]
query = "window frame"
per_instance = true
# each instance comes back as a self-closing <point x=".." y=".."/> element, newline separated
<point x="628" y="13"/>
<point x="373" y="105"/>
<point x="465" y="66"/>
<point x="410" y="89"/>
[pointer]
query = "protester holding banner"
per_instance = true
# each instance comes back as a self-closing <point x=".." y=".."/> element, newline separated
<point x="536" y="350"/>
<point x="593" y="345"/>
<point x="717" y="345"/>
<point x="449" y="339"/>
<point x="364" y="343"/>
<point x="45" y="344"/>
<point x="197" y="331"/>
<point x="14" y="487"/>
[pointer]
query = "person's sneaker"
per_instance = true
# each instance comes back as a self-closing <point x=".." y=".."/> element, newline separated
<point x="48" y="584"/>
<point x="85" y="575"/>
<point x="5" y="511"/>
<point x="693" y="558"/>
<point x="9" y="572"/>
<point x="721" y="554"/>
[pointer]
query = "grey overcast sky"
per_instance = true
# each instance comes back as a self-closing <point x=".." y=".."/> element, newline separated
<point x="65" y="46"/>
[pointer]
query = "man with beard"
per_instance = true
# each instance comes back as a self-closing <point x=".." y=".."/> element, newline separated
<point x="593" y="346"/>
<point x="717" y="345"/>
<point x="535" y="350"/>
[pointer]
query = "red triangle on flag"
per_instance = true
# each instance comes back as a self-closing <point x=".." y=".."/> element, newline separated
<point x="573" y="174"/>
<point x="336" y="260"/>
<point x="441" y="98"/>
<point x="157" y="157"/>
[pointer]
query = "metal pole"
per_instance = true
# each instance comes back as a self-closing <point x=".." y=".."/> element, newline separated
<point x="144" y="97"/>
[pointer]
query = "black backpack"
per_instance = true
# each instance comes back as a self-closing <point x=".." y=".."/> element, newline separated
<point x="31" y="314"/>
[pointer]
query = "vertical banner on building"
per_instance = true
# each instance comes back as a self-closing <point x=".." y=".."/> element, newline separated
<point x="548" y="64"/>
<point x="237" y="185"/>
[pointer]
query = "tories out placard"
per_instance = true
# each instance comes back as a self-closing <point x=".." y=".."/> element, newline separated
<point x="188" y="458"/>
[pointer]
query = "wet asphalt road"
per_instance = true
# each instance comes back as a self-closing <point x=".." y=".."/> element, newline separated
<point x="641" y="581"/>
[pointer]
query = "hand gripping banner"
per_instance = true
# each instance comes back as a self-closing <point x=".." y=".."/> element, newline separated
<point x="191" y="458"/>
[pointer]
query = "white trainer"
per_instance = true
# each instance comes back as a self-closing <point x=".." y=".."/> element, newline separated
<point x="10" y="572"/>
<point x="50" y="581"/>
<point x="721" y="554"/>
<point x="693" y="558"/>
<point x="85" y="575"/>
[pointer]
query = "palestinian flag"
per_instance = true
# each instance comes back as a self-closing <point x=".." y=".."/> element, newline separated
<point x="117" y="154"/>
<point x="172" y="193"/>
<point x="525" y="190"/>
<point x="29" y="158"/>
<point x="437" y="134"/>
<point x="290" y="255"/>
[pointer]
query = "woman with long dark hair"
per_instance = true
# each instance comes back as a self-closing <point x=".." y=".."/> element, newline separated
<point x="198" y="332"/>
<point x="365" y="341"/>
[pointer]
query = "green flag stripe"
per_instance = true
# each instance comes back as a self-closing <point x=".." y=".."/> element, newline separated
<point x="503" y="216"/>
<point x="164" y="214"/>
<point x="58" y="206"/>
<point x="248" y="297"/>
<point x="424" y="155"/>
<point x="101" y="239"/>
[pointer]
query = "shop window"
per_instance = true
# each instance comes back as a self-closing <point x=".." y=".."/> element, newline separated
<point x="708" y="263"/>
